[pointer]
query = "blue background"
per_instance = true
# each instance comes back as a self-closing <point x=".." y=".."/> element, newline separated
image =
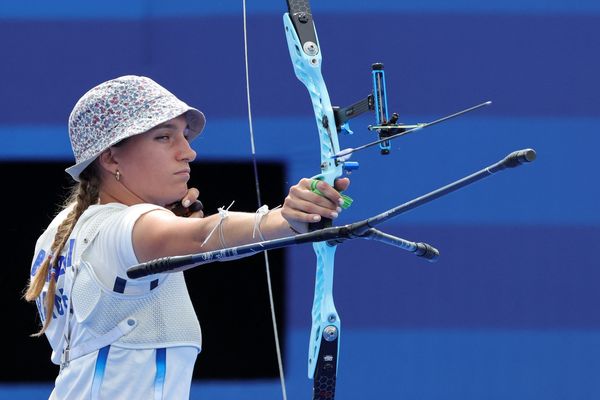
<point x="510" y="309"/>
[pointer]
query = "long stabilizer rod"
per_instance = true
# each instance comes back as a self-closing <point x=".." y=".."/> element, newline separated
<point x="514" y="159"/>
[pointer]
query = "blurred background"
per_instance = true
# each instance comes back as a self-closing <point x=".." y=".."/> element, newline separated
<point x="510" y="308"/>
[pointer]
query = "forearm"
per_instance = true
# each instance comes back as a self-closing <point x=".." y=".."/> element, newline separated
<point x="240" y="228"/>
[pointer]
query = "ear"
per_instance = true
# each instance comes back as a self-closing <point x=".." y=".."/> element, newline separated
<point x="108" y="162"/>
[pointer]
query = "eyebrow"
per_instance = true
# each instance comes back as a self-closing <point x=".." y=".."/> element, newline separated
<point x="164" y="125"/>
<point x="167" y="125"/>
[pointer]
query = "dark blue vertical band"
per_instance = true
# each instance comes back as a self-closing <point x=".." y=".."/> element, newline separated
<point x="99" y="372"/>
<point x="161" y="371"/>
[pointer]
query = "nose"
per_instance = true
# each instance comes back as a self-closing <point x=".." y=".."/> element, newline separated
<point x="187" y="153"/>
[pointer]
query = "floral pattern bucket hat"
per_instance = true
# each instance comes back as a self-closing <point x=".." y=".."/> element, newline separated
<point x="120" y="108"/>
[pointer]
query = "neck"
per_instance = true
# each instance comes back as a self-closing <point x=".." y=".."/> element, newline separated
<point x="117" y="192"/>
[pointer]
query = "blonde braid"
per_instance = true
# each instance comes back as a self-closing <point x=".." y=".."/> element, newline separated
<point x="82" y="196"/>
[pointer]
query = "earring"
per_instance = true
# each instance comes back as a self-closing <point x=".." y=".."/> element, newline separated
<point x="118" y="175"/>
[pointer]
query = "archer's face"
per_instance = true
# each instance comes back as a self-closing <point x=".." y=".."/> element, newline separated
<point x="155" y="164"/>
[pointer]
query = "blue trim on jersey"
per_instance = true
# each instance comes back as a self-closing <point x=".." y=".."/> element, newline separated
<point x="69" y="259"/>
<point x="153" y="284"/>
<point x="119" y="286"/>
<point x="161" y="372"/>
<point x="38" y="262"/>
<point x="99" y="372"/>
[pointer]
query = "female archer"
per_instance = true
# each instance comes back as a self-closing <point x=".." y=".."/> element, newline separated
<point x="115" y="337"/>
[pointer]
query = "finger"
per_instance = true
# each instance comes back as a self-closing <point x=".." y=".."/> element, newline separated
<point x="342" y="184"/>
<point x="328" y="192"/>
<point x="181" y="211"/>
<point x="294" y="216"/>
<point x="303" y="196"/>
<point x="308" y="210"/>
<point x="191" y="196"/>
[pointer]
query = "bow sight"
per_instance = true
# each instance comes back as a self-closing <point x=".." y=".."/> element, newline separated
<point x="387" y="128"/>
<point x="376" y="101"/>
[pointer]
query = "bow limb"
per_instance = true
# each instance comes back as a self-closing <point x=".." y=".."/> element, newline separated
<point x="306" y="57"/>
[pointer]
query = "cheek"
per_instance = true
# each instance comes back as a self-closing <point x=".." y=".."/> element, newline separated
<point x="144" y="170"/>
<point x="146" y="162"/>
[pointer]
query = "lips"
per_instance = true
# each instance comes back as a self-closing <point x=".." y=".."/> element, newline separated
<point x="183" y="172"/>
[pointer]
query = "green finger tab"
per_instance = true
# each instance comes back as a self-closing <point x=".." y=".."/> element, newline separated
<point x="313" y="187"/>
<point x="347" y="199"/>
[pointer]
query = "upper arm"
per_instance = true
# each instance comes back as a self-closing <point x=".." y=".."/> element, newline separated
<point x="160" y="233"/>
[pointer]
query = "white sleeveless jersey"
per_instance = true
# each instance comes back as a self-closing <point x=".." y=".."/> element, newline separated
<point x="134" y="339"/>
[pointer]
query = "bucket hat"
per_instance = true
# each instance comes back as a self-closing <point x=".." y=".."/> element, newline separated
<point x="120" y="108"/>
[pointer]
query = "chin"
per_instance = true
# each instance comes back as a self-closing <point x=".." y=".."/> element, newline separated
<point x="171" y="196"/>
<point x="181" y="193"/>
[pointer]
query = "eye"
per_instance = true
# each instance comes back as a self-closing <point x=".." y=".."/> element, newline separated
<point x="163" y="137"/>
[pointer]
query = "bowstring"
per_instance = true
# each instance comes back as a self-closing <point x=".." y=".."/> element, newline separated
<point x="259" y="202"/>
